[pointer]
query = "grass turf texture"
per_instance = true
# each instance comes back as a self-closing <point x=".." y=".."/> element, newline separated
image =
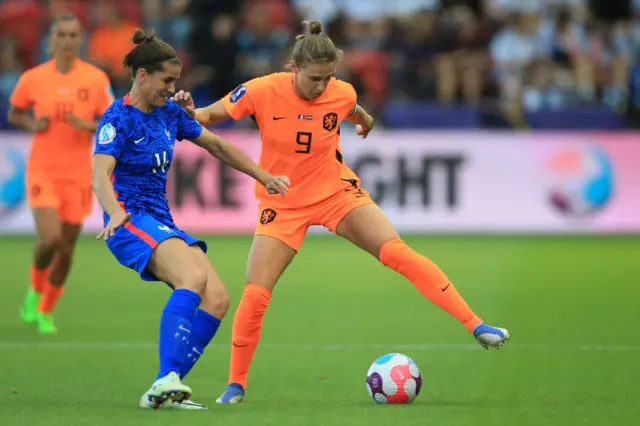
<point x="571" y="305"/>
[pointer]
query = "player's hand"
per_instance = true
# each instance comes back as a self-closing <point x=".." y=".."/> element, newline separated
<point x="116" y="221"/>
<point x="185" y="100"/>
<point x="277" y="185"/>
<point x="41" y="124"/>
<point x="362" y="131"/>
<point x="76" y="121"/>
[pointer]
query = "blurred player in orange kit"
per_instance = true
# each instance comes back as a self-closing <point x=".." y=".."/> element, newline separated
<point x="299" y="115"/>
<point x="66" y="96"/>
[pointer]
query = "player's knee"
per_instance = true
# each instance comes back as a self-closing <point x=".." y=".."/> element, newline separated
<point x="393" y="252"/>
<point x="50" y="240"/>
<point x="65" y="251"/>
<point x="216" y="302"/>
<point x="63" y="257"/>
<point x="194" y="279"/>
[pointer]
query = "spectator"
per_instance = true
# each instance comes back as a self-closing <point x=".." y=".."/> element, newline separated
<point x="108" y="44"/>
<point x="212" y="67"/>
<point x="523" y="55"/>
<point x="10" y="68"/>
<point x="260" y="47"/>
<point x="515" y="50"/>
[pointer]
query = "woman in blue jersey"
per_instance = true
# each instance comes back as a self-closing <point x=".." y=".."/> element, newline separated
<point x="134" y="150"/>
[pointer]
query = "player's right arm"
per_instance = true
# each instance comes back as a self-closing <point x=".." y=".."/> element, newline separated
<point x="241" y="102"/>
<point x="20" y="101"/>
<point x="212" y="115"/>
<point x="109" y="141"/>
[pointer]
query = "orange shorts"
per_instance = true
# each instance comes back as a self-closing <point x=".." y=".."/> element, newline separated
<point x="73" y="201"/>
<point x="290" y="225"/>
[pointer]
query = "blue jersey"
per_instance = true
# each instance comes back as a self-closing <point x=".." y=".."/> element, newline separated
<point x="143" y="146"/>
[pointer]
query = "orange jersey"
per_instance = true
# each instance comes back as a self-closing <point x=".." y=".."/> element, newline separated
<point x="62" y="152"/>
<point x="300" y="139"/>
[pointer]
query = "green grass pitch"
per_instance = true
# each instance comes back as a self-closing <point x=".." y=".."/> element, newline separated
<point x="572" y="305"/>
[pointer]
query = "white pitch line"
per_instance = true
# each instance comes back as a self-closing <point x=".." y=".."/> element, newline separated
<point x="324" y="347"/>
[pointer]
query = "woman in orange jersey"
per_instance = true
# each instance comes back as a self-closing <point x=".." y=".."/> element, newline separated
<point x="299" y="115"/>
<point x="65" y="96"/>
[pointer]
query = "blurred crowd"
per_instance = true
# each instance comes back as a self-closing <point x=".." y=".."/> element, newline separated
<point x="512" y="56"/>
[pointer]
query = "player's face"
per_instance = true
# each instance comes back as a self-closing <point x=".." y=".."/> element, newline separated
<point x="312" y="79"/>
<point x="161" y="85"/>
<point x="66" y="38"/>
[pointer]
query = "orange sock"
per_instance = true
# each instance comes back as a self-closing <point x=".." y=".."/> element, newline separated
<point x="50" y="298"/>
<point x="247" y="324"/>
<point x="39" y="279"/>
<point x="429" y="279"/>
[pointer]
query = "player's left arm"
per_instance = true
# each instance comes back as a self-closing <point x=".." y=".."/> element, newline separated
<point x="359" y="116"/>
<point x="190" y="129"/>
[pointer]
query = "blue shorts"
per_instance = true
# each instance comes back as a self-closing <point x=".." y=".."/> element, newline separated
<point x="134" y="243"/>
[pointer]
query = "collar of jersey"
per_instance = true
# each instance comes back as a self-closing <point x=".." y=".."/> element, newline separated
<point x="313" y="101"/>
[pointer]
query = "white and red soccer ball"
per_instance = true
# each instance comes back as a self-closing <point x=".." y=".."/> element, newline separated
<point x="394" y="379"/>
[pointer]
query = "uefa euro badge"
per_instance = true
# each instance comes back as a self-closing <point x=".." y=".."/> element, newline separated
<point x="107" y="134"/>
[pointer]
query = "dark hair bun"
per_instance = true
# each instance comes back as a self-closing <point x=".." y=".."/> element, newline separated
<point x="143" y="36"/>
<point x="314" y="27"/>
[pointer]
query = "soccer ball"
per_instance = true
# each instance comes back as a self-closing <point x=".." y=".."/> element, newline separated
<point x="394" y="379"/>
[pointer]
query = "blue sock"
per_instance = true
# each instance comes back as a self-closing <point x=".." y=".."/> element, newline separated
<point x="175" y="329"/>
<point x="203" y="329"/>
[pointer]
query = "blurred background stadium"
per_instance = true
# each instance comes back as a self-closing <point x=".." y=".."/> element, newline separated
<point x="496" y="117"/>
<point x="470" y="63"/>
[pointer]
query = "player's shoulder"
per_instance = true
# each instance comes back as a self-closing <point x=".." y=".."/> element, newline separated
<point x="262" y="85"/>
<point x="342" y="89"/>
<point x="269" y="80"/>
<point x="115" y="112"/>
<point x="91" y="71"/>
<point x="43" y="70"/>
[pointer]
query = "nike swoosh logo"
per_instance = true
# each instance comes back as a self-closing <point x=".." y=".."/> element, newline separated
<point x="239" y="346"/>
<point x="139" y="140"/>
<point x="446" y="287"/>
<point x="278" y="118"/>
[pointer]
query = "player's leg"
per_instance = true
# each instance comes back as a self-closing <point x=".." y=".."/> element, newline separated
<point x="206" y="320"/>
<point x="278" y="238"/>
<point x="213" y="307"/>
<point x="367" y="227"/>
<point x="172" y="261"/>
<point x="75" y="206"/>
<point x="60" y="268"/>
<point x="44" y="204"/>
<point x="157" y="253"/>
<point x="49" y="231"/>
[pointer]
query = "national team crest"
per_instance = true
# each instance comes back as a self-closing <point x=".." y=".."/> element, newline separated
<point x="83" y="94"/>
<point x="267" y="216"/>
<point x="330" y="121"/>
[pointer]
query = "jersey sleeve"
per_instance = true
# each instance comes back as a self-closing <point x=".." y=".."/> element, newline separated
<point x="243" y="100"/>
<point x="188" y="128"/>
<point x="105" y="95"/>
<point x="21" y="95"/>
<point x="111" y="135"/>
<point x="352" y="97"/>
